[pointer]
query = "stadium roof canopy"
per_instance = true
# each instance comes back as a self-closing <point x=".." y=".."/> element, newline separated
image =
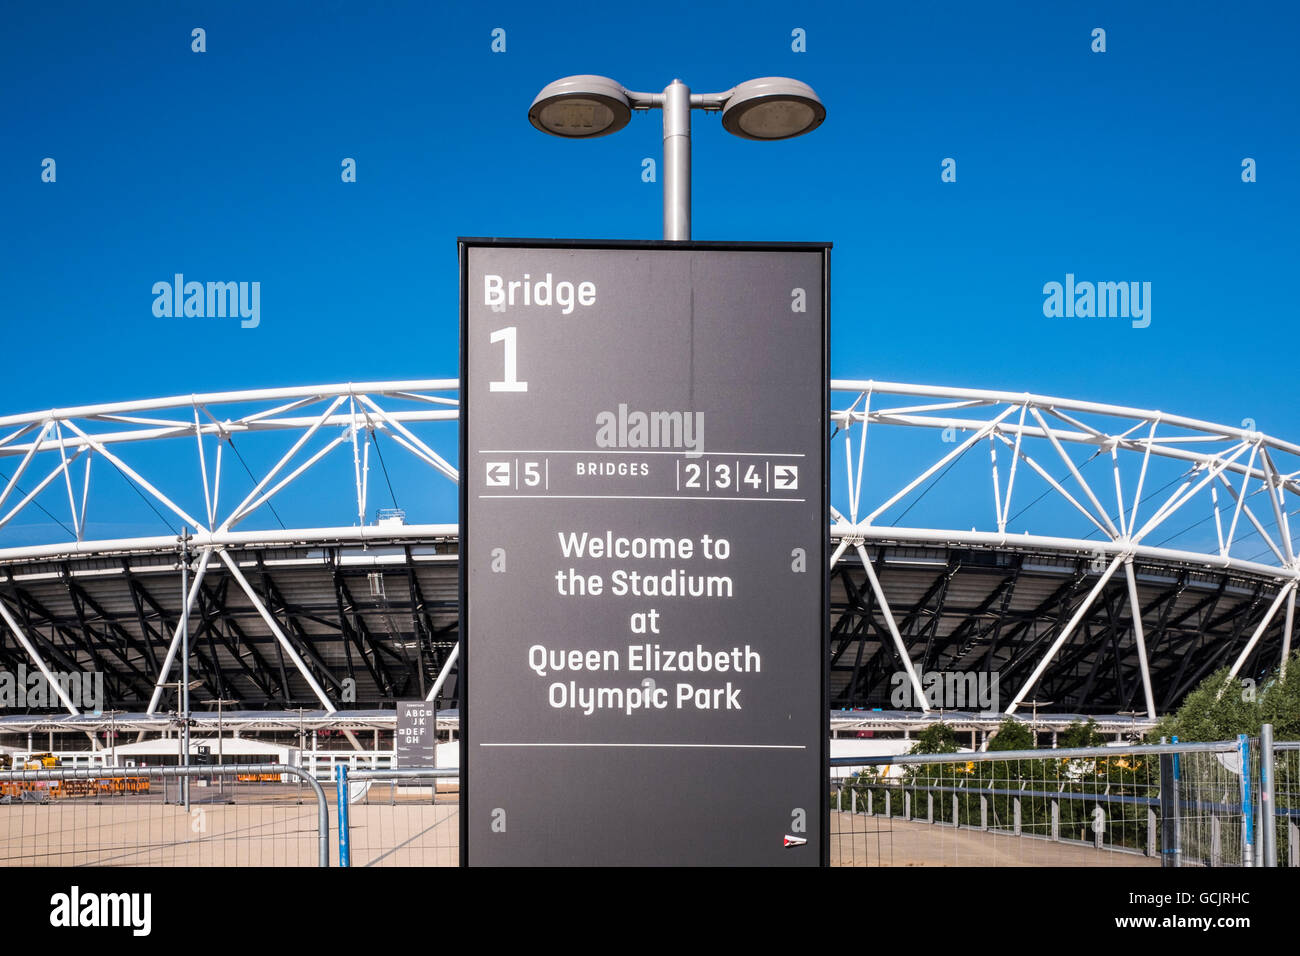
<point x="1095" y="558"/>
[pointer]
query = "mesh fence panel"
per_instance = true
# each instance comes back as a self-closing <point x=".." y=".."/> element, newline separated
<point x="245" y="819"/>
<point x="1113" y="808"/>
<point x="404" y="822"/>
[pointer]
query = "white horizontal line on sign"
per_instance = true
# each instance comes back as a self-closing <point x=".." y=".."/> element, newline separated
<point x="637" y="451"/>
<point x="705" y="746"/>
<point x="646" y="497"/>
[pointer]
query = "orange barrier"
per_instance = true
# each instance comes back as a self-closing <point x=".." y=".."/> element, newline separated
<point x="63" y="789"/>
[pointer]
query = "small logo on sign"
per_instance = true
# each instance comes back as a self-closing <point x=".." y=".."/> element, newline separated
<point x="785" y="477"/>
<point x="794" y="840"/>
<point x="498" y="474"/>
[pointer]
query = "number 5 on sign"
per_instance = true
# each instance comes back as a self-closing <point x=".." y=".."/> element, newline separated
<point x="511" y="382"/>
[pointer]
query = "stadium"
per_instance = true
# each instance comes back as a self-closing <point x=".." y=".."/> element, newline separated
<point x="1078" y="558"/>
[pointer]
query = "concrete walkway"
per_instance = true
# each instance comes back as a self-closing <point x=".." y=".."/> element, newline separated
<point x="860" y="840"/>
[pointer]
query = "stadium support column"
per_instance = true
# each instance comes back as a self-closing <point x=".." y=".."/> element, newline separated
<point x="289" y="649"/>
<point x="1282" y="594"/>
<point x="1139" y="637"/>
<point x="1065" y="633"/>
<point x="883" y="604"/>
<point x="284" y="642"/>
<point x="166" y="668"/>
<point x="1286" y="633"/>
<point x="37" y="659"/>
<point x="442" y="674"/>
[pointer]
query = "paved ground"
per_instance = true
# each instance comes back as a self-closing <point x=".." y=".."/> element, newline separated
<point x="129" y="833"/>
<point x="270" y="828"/>
<point x="859" y="840"/>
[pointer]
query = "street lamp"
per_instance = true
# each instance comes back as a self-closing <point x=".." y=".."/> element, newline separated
<point x="772" y="107"/>
<point x="183" y="718"/>
<point x="1036" y="704"/>
<point x="112" y="716"/>
<point x="185" y="682"/>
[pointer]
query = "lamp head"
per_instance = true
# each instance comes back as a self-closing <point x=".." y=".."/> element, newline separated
<point x="772" y="107"/>
<point x="580" y="107"/>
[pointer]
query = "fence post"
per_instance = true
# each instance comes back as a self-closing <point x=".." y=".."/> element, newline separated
<point x="1056" y="820"/>
<point x="1292" y="843"/>
<point x="1151" y="832"/>
<point x="1247" y="813"/>
<point x="956" y="812"/>
<point x="984" y="812"/>
<point x="907" y="804"/>
<point x="853" y="801"/>
<point x="1098" y="828"/>
<point x="839" y="798"/>
<point x="1015" y="806"/>
<point x="870" y="794"/>
<point x="1267" y="816"/>
<point x="1170" y="830"/>
<point x="929" y="807"/>
<point x="1216" y="841"/>
<point x="888" y="801"/>
<point x="345" y="848"/>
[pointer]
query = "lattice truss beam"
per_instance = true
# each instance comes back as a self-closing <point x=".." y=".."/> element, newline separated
<point x="1164" y="471"/>
<point x="1121" y="503"/>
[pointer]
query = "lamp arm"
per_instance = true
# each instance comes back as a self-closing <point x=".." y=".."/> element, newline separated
<point x="643" y="101"/>
<point x="712" y="102"/>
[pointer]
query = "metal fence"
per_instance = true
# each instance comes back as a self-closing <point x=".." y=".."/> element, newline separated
<point x="1285" y="845"/>
<point x="1176" y="804"/>
<point x="227" y="815"/>
<point x="406" y="817"/>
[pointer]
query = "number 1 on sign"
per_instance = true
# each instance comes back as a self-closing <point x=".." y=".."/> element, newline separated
<point x="511" y="382"/>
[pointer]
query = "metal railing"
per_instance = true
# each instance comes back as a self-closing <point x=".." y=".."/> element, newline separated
<point x="1176" y="804"/>
<point x="117" y="816"/>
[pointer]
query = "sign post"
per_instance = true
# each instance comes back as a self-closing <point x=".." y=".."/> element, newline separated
<point x="644" y="539"/>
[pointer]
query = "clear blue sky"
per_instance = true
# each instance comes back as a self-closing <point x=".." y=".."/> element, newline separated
<point x="225" y="165"/>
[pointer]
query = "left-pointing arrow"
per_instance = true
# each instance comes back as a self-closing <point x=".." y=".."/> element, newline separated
<point x="498" y="474"/>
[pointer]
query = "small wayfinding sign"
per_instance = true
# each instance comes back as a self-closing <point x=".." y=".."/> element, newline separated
<point x="415" y="738"/>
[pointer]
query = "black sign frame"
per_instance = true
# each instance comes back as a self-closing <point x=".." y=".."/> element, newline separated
<point x="464" y="244"/>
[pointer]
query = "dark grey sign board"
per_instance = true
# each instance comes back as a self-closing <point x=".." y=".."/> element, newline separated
<point x="416" y="737"/>
<point x="644" y="537"/>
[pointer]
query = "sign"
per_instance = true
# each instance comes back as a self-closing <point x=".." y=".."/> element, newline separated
<point x="644" y="537"/>
<point x="415" y="740"/>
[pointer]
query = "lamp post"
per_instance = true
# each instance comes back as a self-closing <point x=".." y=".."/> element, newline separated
<point x="183" y="738"/>
<point x="772" y="107"/>
<point x="185" y="660"/>
<point x="1034" y="721"/>
<point x="112" y="735"/>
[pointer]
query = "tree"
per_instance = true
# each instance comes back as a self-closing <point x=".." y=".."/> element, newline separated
<point x="938" y="738"/>
<point x="1220" y="708"/>
<point x="1012" y="735"/>
<point x="1081" y="735"/>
